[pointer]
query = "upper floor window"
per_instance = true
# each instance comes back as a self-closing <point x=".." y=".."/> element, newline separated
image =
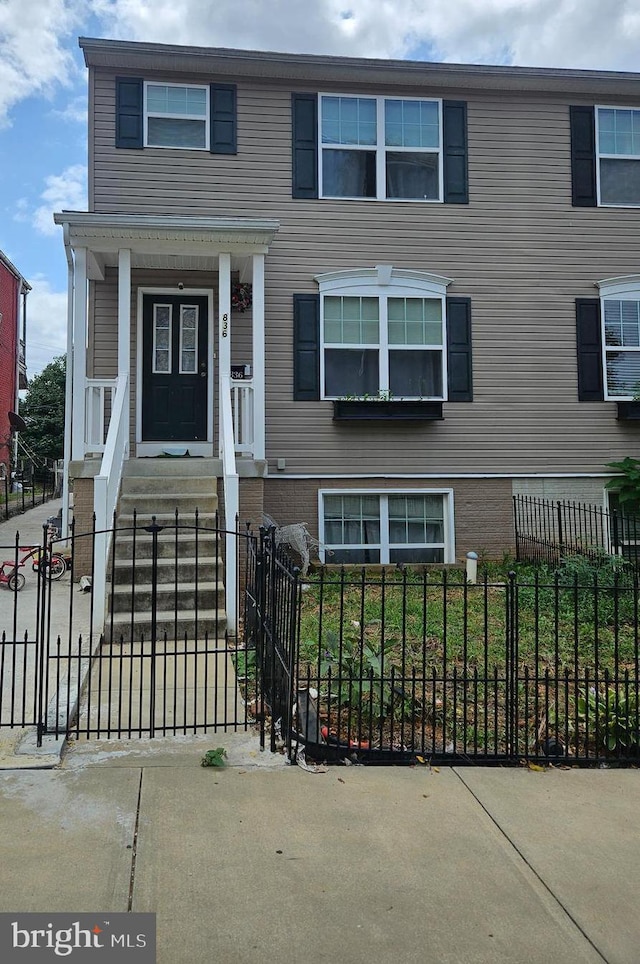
<point x="176" y="116"/>
<point x="381" y="147"/>
<point x="383" y="334"/>
<point x="618" y="152"/>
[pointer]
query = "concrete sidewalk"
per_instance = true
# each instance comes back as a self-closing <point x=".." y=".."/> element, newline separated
<point x="262" y="861"/>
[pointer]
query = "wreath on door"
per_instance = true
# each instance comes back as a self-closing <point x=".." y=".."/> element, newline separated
<point x="240" y="297"/>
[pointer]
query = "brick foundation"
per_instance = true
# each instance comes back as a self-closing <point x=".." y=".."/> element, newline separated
<point x="483" y="508"/>
<point x="83" y="525"/>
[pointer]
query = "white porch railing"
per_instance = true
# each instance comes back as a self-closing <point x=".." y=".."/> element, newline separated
<point x="105" y="493"/>
<point x="99" y="400"/>
<point x="242" y="408"/>
<point x="231" y="489"/>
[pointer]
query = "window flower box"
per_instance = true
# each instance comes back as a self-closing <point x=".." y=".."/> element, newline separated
<point x="628" y="411"/>
<point x="363" y="409"/>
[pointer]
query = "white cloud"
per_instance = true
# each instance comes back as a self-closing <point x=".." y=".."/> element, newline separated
<point x="21" y="210"/>
<point x="75" y="111"/>
<point x="561" y="33"/>
<point x="46" y="324"/>
<point x="34" y="56"/>
<point x="37" y="37"/>
<point x="66" y="191"/>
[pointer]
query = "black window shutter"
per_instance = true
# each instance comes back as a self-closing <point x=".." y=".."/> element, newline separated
<point x="224" y="122"/>
<point x="454" y="126"/>
<point x="129" y="112"/>
<point x="459" y="366"/>
<point x="583" y="157"/>
<point x="304" y="147"/>
<point x="589" y="344"/>
<point x="306" y="347"/>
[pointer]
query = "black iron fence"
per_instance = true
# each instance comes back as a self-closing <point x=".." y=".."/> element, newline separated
<point x="410" y="666"/>
<point x="547" y="530"/>
<point x="271" y="613"/>
<point x="385" y="666"/>
<point x="26" y="488"/>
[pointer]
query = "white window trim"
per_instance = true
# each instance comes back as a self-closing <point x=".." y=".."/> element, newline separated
<point x="381" y="148"/>
<point x="169" y="350"/>
<point x="194" y="117"/>
<point x="625" y="287"/>
<point x="197" y="328"/>
<point x="449" y="551"/>
<point x="384" y="282"/>
<point x="613" y="157"/>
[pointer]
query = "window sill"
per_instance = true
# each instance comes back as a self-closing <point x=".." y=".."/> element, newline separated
<point x="628" y="411"/>
<point x="369" y="410"/>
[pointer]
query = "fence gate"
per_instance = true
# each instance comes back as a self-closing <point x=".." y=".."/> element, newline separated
<point x="166" y="662"/>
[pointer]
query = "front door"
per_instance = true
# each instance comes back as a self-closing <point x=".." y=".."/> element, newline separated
<point x="174" y="368"/>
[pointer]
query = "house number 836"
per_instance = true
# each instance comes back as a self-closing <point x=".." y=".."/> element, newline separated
<point x="225" y="325"/>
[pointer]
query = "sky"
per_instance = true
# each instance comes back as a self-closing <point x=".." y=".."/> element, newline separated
<point x="43" y="103"/>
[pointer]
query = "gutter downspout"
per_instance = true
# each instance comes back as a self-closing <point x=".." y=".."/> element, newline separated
<point x="68" y="392"/>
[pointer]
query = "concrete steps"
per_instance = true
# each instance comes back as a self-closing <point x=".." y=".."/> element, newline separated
<point x="181" y="495"/>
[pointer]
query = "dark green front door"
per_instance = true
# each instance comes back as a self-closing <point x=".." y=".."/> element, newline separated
<point x="174" y="368"/>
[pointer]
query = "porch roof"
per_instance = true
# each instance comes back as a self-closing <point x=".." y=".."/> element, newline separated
<point x="165" y="241"/>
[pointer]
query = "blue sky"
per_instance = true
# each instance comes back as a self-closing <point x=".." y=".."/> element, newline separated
<point x="43" y="85"/>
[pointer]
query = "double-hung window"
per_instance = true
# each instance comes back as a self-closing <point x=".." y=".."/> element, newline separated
<point x="387" y="527"/>
<point x="618" y="153"/>
<point x="383" y="340"/>
<point x="176" y="115"/>
<point x="621" y="338"/>
<point x="381" y="148"/>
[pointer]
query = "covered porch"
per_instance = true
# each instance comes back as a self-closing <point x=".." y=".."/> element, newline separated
<point x="158" y="360"/>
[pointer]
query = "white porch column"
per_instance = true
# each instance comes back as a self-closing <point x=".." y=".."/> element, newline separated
<point x="258" y="353"/>
<point x="124" y="331"/>
<point x="79" y="353"/>
<point x="224" y="329"/>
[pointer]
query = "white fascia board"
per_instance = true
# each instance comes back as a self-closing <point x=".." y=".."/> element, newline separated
<point x="164" y="222"/>
<point x="625" y="284"/>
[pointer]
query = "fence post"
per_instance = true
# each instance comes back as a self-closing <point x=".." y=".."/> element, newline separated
<point x="560" y="532"/>
<point x="615" y="533"/>
<point x="511" y="668"/>
<point x="154" y="529"/>
<point x="293" y="656"/>
<point x="41" y="663"/>
<point x="515" y="526"/>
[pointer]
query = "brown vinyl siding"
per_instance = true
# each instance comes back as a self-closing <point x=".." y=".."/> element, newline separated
<point x="518" y="250"/>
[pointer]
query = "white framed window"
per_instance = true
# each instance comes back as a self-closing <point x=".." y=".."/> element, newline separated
<point x="176" y="115"/>
<point x="618" y="156"/>
<point x="188" y="339"/>
<point x="161" y="339"/>
<point x="383" y="148"/>
<point x="386" y="527"/>
<point x="383" y="334"/>
<point x="620" y="313"/>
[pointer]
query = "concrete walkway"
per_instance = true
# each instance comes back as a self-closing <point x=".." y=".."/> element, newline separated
<point x="68" y="616"/>
<point x="266" y="862"/>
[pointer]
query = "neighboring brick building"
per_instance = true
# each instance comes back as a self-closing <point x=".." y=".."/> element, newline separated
<point x="13" y="369"/>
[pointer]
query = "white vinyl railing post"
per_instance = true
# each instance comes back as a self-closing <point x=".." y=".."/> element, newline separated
<point x="106" y="487"/>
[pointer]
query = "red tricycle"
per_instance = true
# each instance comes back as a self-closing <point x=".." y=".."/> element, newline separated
<point x="50" y="563"/>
